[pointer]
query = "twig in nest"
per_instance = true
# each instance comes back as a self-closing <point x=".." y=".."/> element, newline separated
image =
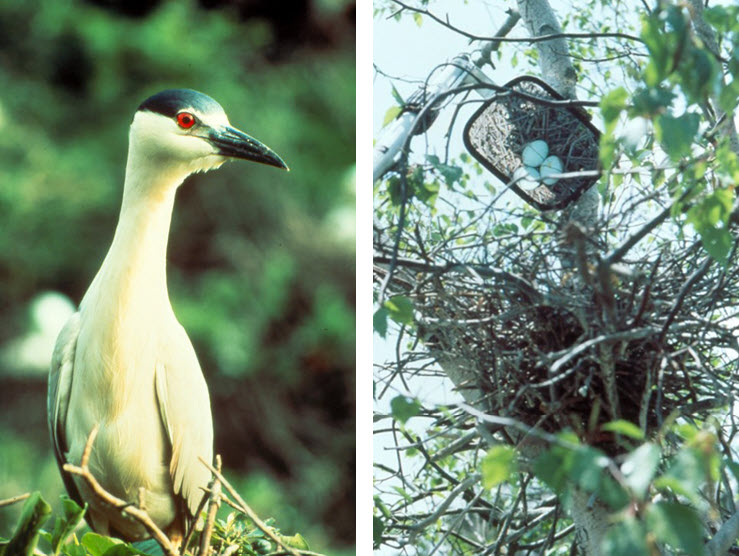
<point x="191" y="530"/>
<point x="138" y="514"/>
<point x="214" y="500"/>
<point x="251" y="514"/>
<point x="15" y="499"/>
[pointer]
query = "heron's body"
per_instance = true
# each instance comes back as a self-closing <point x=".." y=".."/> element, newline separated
<point x="123" y="362"/>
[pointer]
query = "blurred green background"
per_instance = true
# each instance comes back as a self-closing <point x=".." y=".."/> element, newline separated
<point x="261" y="262"/>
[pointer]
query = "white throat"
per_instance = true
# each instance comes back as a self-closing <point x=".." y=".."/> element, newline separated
<point x="134" y="270"/>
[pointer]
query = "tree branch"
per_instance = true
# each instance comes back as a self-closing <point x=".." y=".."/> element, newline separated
<point x="139" y="514"/>
<point x="530" y="40"/>
<point x="724" y="539"/>
<point x="213" y="504"/>
<point x="486" y="271"/>
<point x="14" y="499"/>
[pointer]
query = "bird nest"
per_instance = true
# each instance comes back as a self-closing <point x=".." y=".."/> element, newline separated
<point x="498" y="132"/>
<point x="576" y="352"/>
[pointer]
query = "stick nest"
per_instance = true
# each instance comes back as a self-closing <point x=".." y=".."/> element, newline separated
<point x="579" y="349"/>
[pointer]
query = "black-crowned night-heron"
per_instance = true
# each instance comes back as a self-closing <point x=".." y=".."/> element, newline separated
<point x="123" y="362"/>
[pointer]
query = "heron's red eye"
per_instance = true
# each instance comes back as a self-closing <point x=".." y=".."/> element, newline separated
<point x="185" y="120"/>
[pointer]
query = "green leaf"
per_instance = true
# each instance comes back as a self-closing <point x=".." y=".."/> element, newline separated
<point x="729" y="96"/>
<point x="25" y="537"/>
<point x="395" y="189"/>
<point x="625" y="428"/>
<point x="392" y="113"/>
<point x="713" y="210"/>
<point x="379" y="321"/>
<point x="612" y="104"/>
<point x="74" y="550"/>
<point x="626" y="538"/>
<point x="710" y="218"/>
<point x="588" y="467"/>
<point x="403" y="408"/>
<point x="733" y="467"/>
<point x="400" y="309"/>
<point x="403" y="493"/>
<point x="418" y="19"/>
<point x="96" y="544"/>
<point x="553" y="467"/>
<point x="450" y="173"/>
<point x="655" y="40"/>
<point x="295" y="541"/>
<point x="428" y="192"/>
<point x="639" y="468"/>
<point x="150" y="547"/>
<point x="718" y="16"/>
<point x="676" y="134"/>
<point x="584" y="466"/>
<point x="65" y="526"/>
<point x="123" y="549"/>
<point x="685" y="475"/>
<point x="613" y="494"/>
<point x="718" y="243"/>
<point x="498" y="465"/>
<point x="396" y="95"/>
<point x="607" y="148"/>
<point x="697" y="72"/>
<point x="677" y="525"/>
<point x="650" y="101"/>
<point x="723" y="18"/>
<point x="380" y="505"/>
<point x="728" y="165"/>
<point x="378" y="527"/>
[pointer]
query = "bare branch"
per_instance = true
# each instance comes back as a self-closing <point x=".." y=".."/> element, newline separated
<point x="725" y="538"/>
<point x="213" y="504"/>
<point x="493" y="45"/>
<point x="14" y="499"/>
<point x="530" y="40"/>
<point x="441" y="508"/>
<point x="123" y="506"/>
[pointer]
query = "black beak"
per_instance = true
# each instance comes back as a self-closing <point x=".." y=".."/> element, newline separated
<point x="237" y="144"/>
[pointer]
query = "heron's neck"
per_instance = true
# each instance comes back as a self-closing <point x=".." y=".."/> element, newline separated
<point x="134" y="270"/>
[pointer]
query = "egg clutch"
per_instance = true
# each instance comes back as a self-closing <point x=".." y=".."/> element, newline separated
<point x="537" y="166"/>
<point x="535" y="147"/>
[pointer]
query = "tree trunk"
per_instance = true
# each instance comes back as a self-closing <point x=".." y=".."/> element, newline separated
<point x="589" y="516"/>
<point x="591" y="522"/>
<point x="558" y="71"/>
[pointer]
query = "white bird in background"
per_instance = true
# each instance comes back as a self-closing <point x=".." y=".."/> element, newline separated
<point x="123" y="362"/>
<point x="29" y="353"/>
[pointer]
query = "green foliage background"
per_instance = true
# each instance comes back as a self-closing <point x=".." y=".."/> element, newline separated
<point x="261" y="262"/>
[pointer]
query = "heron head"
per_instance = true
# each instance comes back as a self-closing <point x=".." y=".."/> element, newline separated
<point x="186" y="128"/>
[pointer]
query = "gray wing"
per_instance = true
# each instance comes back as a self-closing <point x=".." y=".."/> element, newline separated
<point x="57" y="402"/>
<point x="184" y="405"/>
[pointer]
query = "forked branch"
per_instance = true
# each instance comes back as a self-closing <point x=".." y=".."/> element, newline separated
<point x="139" y="514"/>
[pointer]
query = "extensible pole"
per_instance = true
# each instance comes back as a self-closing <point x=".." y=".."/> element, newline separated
<point x="461" y="71"/>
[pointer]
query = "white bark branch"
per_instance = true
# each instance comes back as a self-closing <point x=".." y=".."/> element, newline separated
<point x="725" y="538"/>
<point x="591" y="519"/>
<point x="557" y="70"/>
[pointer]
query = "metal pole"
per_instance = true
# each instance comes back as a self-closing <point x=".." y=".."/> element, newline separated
<point x="459" y="72"/>
<point x="462" y="70"/>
